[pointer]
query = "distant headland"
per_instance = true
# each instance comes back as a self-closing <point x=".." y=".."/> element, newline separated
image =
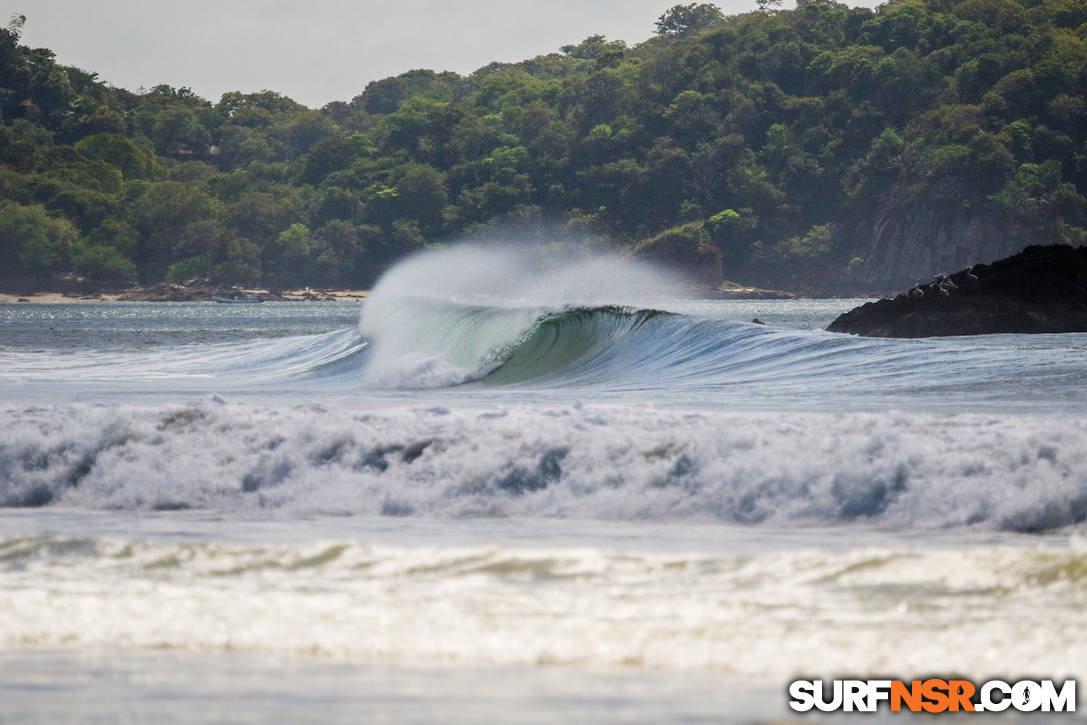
<point x="825" y="149"/>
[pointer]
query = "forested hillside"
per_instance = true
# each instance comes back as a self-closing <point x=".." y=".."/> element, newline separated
<point x="822" y="147"/>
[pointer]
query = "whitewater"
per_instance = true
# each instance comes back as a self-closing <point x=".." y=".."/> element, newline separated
<point x="504" y="481"/>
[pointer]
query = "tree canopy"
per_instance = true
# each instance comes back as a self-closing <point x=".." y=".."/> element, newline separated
<point x="684" y="19"/>
<point x="799" y="145"/>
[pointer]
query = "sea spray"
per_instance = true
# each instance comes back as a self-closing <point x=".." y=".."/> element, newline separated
<point x="447" y="316"/>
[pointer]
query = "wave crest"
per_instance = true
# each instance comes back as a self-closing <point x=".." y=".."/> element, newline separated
<point x="429" y="344"/>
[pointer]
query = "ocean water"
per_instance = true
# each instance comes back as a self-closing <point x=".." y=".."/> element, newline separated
<point x="497" y="495"/>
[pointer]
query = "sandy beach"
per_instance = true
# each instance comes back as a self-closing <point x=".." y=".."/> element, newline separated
<point x="168" y="293"/>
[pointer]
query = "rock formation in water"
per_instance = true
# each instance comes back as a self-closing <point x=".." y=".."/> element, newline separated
<point x="1041" y="289"/>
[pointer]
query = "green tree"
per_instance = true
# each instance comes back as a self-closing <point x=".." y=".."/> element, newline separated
<point x="170" y="217"/>
<point x="104" y="263"/>
<point x="421" y="195"/>
<point x="683" y="19"/>
<point x="242" y="262"/>
<point x="132" y="159"/>
<point x="22" y="143"/>
<point x="331" y="154"/>
<point x="37" y="243"/>
<point x="286" y="260"/>
<point x="115" y="233"/>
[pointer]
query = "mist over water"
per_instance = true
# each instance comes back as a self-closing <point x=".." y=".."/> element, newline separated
<point x="521" y="273"/>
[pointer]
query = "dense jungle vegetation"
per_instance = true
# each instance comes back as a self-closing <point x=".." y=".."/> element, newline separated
<point x="765" y="142"/>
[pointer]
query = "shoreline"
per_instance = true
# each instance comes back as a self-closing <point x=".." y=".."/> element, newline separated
<point x="182" y="293"/>
<point x="38" y="291"/>
<point x="165" y="292"/>
<point x="325" y="295"/>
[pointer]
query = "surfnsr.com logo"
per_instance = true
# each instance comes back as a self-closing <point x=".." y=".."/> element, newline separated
<point x="932" y="696"/>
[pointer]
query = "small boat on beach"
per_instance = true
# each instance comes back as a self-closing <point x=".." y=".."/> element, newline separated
<point x="237" y="299"/>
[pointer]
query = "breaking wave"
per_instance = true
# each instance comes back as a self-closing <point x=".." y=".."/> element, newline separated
<point x="590" y="462"/>
<point x="426" y="344"/>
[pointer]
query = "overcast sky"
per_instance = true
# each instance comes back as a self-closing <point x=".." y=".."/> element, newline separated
<point x="316" y="51"/>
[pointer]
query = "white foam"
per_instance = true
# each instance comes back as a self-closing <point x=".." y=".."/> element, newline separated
<point x="874" y="611"/>
<point x="606" y="462"/>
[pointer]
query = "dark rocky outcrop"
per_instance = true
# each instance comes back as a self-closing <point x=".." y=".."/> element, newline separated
<point x="1041" y="289"/>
